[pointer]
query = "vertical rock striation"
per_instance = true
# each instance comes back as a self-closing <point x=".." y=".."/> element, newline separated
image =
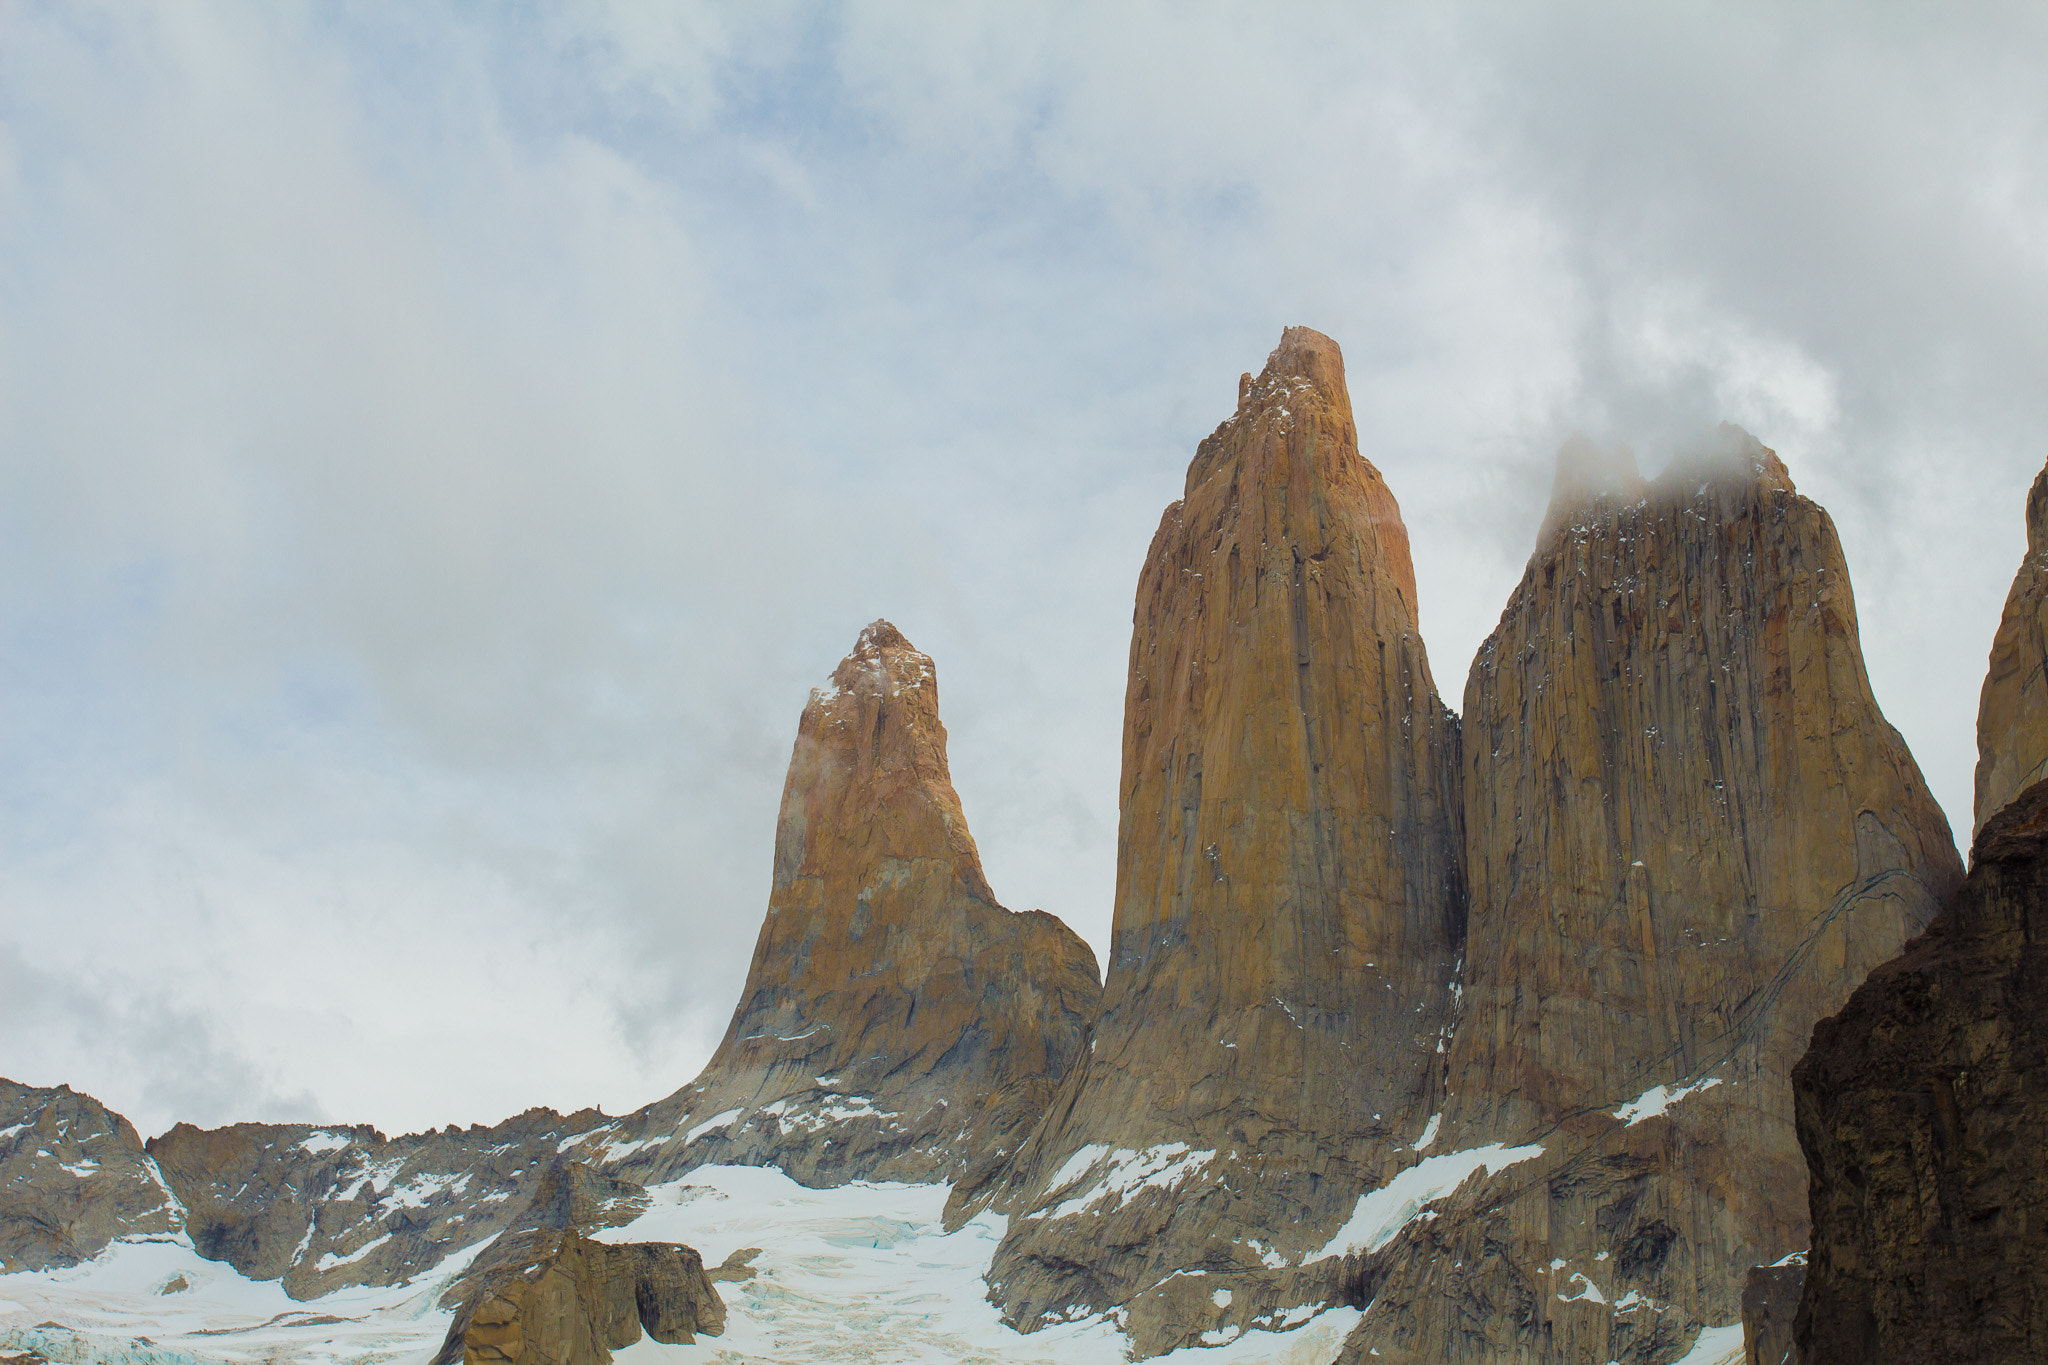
<point x="1288" y="905"/>
<point x="1690" y="834"/>
<point x="1921" y="1108"/>
<point x="897" y="1023"/>
<point x="2012" y="713"/>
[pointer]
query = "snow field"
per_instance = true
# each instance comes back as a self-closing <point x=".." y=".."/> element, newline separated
<point x="863" y="1273"/>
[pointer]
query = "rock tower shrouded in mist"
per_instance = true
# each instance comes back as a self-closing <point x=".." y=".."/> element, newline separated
<point x="1690" y="832"/>
<point x="897" y="1023"/>
<point x="1288" y="904"/>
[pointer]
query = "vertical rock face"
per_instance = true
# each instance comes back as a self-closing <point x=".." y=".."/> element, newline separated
<point x="2012" y="714"/>
<point x="897" y="1023"/>
<point x="1679" y="792"/>
<point x="1690" y="834"/>
<point x="73" y="1177"/>
<point x="1925" y="1126"/>
<point x="1288" y="906"/>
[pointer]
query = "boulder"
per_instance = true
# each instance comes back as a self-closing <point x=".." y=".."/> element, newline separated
<point x="549" y="1296"/>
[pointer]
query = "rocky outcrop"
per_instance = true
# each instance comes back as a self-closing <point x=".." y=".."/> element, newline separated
<point x="544" y="1293"/>
<point x="897" y="1022"/>
<point x="1925" y="1126"/>
<point x="2012" y="713"/>
<point x="1690" y="833"/>
<point x="73" y="1177"/>
<point x="322" y="1208"/>
<point x="559" y="1298"/>
<point x="1288" y="905"/>
<point x="1770" y="1303"/>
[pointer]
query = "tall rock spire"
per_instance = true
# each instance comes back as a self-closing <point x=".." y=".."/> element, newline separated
<point x="1288" y="906"/>
<point x="1690" y="833"/>
<point x="897" y="1023"/>
<point x="2012" y="713"/>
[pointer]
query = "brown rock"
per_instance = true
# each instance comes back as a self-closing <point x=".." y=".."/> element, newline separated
<point x="1288" y="903"/>
<point x="2012" y="714"/>
<point x="551" y="1297"/>
<point x="1690" y="833"/>
<point x="897" y="1023"/>
<point x="543" y="1292"/>
<point x="1770" y="1301"/>
<point x="1925" y="1125"/>
<point x="1679" y="790"/>
<point x="73" y="1177"/>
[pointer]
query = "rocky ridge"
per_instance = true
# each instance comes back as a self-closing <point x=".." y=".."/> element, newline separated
<point x="73" y="1177"/>
<point x="325" y="1207"/>
<point x="1288" y="904"/>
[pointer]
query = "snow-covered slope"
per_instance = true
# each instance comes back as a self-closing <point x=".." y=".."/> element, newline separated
<point x="863" y="1272"/>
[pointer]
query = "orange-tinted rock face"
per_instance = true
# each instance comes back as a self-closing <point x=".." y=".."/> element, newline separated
<point x="2012" y="714"/>
<point x="1690" y="834"/>
<point x="1679" y="791"/>
<point x="1288" y="906"/>
<point x="897" y="1023"/>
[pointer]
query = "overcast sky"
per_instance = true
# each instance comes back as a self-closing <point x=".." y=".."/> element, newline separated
<point x="442" y="445"/>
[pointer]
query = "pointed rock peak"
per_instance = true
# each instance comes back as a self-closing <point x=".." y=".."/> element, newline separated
<point x="882" y="663"/>
<point x="2012" y="710"/>
<point x="877" y="636"/>
<point x="1586" y="473"/>
<point x="1727" y="455"/>
<point x="1304" y="355"/>
<point x="2037" y="514"/>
